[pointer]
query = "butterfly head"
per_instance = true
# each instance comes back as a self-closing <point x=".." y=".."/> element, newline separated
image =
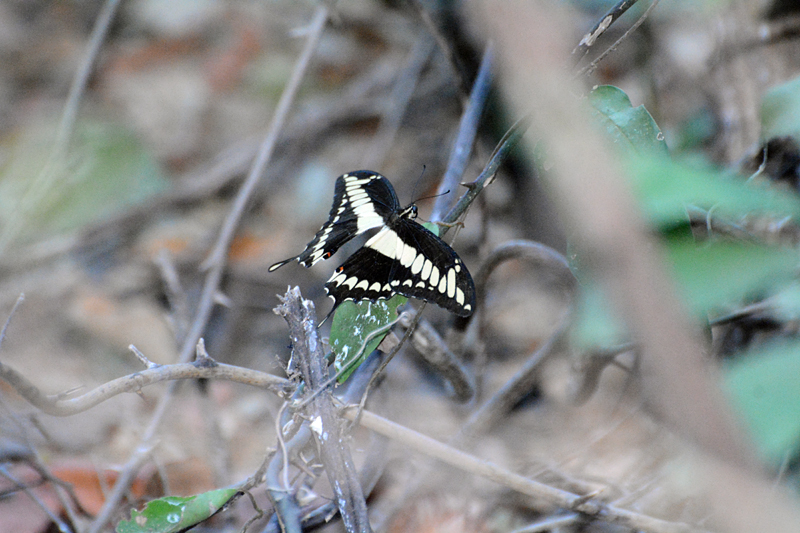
<point x="409" y="212"/>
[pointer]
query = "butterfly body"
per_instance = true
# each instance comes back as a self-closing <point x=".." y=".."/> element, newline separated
<point x="403" y="257"/>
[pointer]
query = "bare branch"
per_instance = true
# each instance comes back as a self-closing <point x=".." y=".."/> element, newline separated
<point x="334" y="451"/>
<point x="467" y="129"/>
<point x="504" y="147"/>
<point x="588" y="69"/>
<point x="57" y="405"/>
<point x="545" y="495"/>
<point x="434" y="350"/>
<point x="602" y="25"/>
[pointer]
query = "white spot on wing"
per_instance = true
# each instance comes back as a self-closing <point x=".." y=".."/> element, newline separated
<point x="460" y="296"/>
<point x="375" y="287"/>
<point x="434" y="276"/>
<point x="426" y="269"/>
<point x="451" y="283"/>
<point x="408" y="256"/>
<point x="384" y="242"/>
<point x="363" y="284"/>
<point x="417" y="266"/>
<point x="443" y="285"/>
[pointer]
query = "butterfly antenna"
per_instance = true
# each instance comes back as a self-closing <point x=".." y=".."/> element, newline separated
<point x="416" y="183"/>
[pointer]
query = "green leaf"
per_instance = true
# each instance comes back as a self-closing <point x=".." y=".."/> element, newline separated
<point x="710" y="276"/>
<point x="666" y="188"/>
<point x="105" y="170"/>
<point x="765" y="388"/>
<point x="780" y="110"/>
<point x="353" y="323"/>
<point x="631" y="128"/>
<point x="718" y="274"/>
<point x="172" y="513"/>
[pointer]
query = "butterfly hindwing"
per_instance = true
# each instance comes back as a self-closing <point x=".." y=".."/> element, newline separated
<point x="362" y="200"/>
<point x="408" y="259"/>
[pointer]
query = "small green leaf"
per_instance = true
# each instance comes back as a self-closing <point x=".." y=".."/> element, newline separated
<point x="780" y="110"/>
<point x="631" y="128"/>
<point x="172" y="513"/>
<point x="353" y="323"/>
<point x="765" y="388"/>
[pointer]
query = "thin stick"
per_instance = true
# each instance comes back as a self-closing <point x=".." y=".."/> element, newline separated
<point x="57" y="405"/>
<point x="20" y="299"/>
<point x="219" y="253"/>
<point x="67" y="124"/>
<point x="600" y="28"/>
<point x="467" y="129"/>
<point x="588" y="69"/>
<point x="545" y="495"/>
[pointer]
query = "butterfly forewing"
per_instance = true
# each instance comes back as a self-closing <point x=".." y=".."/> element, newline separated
<point x="408" y="259"/>
<point x="362" y="200"/>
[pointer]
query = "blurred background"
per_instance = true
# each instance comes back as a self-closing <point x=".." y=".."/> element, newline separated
<point x="178" y="100"/>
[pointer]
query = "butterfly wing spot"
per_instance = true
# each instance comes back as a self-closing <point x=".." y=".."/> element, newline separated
<point x="426" y="269"/>
<point x="408" y="254"/>
<point x="443" y="285"/>
<point x="383" y="242"/>
<point x="363" y="284"/>
<point x="434" y="276"/>
<point x="459" y="296"/>
<point x="375" y="287"/>
<point x="451" y="283"/>
<point x="337" y="278"/>
<point x="416" y="267"/>
<point x="407" y="283"/>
